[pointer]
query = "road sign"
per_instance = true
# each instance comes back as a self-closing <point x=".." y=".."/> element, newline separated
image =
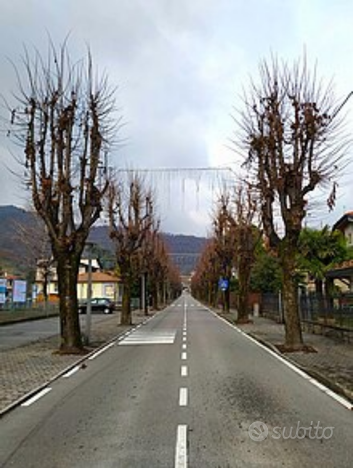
<point x="223" y="284"/>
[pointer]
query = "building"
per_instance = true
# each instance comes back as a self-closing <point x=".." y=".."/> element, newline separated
<point x="104" y="284"/>
<point x="345" y="225"/>
<point x="342" y="274"/>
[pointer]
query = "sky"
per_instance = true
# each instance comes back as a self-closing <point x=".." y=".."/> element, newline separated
<point x="180" y="67"/>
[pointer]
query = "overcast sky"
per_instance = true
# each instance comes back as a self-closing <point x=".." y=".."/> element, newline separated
<point x="180" y="66"/>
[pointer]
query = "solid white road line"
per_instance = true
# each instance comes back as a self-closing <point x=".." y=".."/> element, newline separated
<point x="287" y="363"/>
<point x="184" y="345"/>
<point x="184" y="371"/>
<point x="184" y="356"/>
<point x="101" y="351"/>
<point x="71" y="372"/>
<point x="181" y="455"/>
<point x="183" y="396"/>
<point x="37" y="396"/>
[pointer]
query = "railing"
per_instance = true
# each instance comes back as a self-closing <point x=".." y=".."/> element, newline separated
<point x="328" y="314"/>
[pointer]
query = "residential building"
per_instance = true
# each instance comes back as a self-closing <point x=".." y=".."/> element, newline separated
<point x="104" y="284"/>
<point x="345" y="225"/>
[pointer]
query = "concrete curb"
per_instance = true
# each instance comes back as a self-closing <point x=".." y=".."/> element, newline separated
<point x="27" y="319"/>
<point x="68" y="368"/>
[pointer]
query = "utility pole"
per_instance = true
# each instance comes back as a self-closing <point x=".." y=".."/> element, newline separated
<point x="89" y="295"/>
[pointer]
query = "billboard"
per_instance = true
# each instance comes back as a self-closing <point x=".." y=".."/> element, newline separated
<point x="3" y="289"/>
<point x="19" y="291"/>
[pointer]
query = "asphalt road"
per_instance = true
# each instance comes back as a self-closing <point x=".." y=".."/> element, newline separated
<point x="180" y="391"/>
<point x="21" y="333"/>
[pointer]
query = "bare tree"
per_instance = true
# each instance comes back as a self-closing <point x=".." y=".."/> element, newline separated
<point x="292" y="132"/>
<point x="246" y="238"/>
<point x="131" y="217"/>
<point x="37" y="255"/>
<point x="204" y="282"/>
<point x="158" y="268"/>
<point x="63" y="118"/>
<point x="223" y="231"/>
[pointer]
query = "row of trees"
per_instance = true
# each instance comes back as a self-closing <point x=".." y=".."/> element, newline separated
<point x="65" y="119"/>
<point x="139" y="246"/>
<point x="291" y="132"/>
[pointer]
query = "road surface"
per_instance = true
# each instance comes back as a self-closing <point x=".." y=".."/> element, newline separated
<point x="25" y="332"/>
<point x="180" y="391"/>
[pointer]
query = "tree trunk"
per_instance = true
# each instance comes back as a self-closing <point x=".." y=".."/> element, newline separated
<point x="329" y="291"/>
<point x="293" y="333"/>
<point x="155" y="297"/>
<point x="146" y="295"/>
<point x="243" y="296"/>
<point x="126" y="304"/>
<point x="70" y="333"/>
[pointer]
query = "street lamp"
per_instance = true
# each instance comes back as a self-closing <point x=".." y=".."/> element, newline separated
<point x="90" y="246"/>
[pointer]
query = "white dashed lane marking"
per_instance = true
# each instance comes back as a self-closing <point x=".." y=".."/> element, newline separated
<point x="183" y="396"/>
<point x="181" y="456"/>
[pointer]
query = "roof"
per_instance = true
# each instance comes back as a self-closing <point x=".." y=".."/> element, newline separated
<point x="98" y="277"/>
<point x="343" y="270"/>
<point x="11" y="277"/>
<point x="343" y="221"/>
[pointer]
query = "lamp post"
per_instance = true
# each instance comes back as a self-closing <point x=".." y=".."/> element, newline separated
<point x="89" y="294"/>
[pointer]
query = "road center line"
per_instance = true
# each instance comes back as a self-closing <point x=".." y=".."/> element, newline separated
<point x="183" y="396"/>
<point x="184" y="356"/>
<point x="184" y="371"/>
<point x="184" y="338"/>
<point x="37" y="396"/>
<point x="181" y="456"/>
<point x="184" y="345"/>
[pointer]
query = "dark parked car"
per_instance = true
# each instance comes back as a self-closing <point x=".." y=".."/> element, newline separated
<point x="99" y="305"/>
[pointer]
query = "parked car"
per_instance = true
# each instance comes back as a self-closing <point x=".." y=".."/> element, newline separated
<point x="98" y="305"/>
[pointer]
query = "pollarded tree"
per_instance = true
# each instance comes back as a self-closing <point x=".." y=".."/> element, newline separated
<point x="37" y="256"/>
<point x="292" y="132"/>
<point x="224" y="242"/>
<point x="63" y="119"/>
<point x="246" y="238"/>
<point x="157" y="268"/>
<point x="130" y="211"/>
<point x="204" y="282"/>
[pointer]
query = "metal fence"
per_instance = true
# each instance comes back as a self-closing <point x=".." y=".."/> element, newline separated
<point x="330" y="312"/>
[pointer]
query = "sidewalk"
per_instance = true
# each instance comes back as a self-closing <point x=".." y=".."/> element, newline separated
<point x="25" y="368"/>
<point x="332" y="364"/>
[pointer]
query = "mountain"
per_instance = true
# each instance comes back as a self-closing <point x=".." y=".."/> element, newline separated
<point x="11" y="250"/>
<point x="183" y="249"/>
